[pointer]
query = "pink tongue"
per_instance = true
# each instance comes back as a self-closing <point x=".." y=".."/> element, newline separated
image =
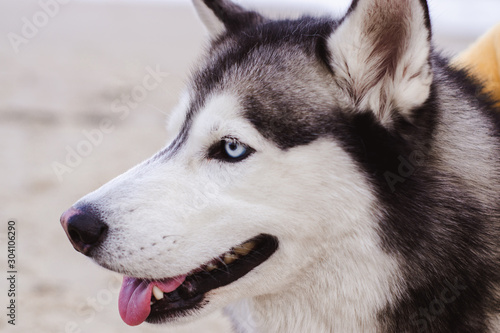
<point x="135" y="297"/>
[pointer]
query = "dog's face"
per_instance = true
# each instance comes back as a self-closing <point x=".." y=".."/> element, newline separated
<point x="221" y="184"/>
<point x="257" y="180"/>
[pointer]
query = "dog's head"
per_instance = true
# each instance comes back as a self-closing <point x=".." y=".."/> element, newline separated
<point x="259" y="180"/>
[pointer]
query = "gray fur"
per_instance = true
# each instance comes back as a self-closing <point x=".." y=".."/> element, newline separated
<point x="447" y="206"/>
<point x="371" y="162"/>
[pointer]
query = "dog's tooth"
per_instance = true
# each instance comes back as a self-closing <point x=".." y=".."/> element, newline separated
<point x="229" y="258"/>
<point x="211" y="266"/>
<point x="157" y="293"/>
<point x="244" y="249"/>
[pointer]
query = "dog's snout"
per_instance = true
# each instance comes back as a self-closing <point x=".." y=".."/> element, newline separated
<point x="84" y="229"/>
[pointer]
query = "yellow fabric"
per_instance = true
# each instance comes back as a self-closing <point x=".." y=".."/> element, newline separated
<point x="483" y="60"/>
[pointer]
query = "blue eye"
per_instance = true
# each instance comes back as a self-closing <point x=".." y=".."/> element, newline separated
<point x="229" y="150"/>
<point x="235" y="149"/>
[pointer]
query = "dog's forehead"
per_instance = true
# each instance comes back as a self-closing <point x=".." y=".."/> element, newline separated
<point x="279" y="73"/>
<point x="263" y="52"/>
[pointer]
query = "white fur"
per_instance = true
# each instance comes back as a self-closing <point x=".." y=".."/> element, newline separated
<point x="354" y="64"/>
<point x="329" y="273"/>
<point x="180" y="209"/>
<point x="178" y="116"/>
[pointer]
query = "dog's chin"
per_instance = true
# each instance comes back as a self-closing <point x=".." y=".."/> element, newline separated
<point x="173" y="299"/>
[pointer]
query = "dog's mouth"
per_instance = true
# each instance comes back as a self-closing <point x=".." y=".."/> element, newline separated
<point x="163" y="300"/>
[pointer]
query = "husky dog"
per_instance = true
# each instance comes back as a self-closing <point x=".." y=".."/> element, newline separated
<point x="324" y="175"/>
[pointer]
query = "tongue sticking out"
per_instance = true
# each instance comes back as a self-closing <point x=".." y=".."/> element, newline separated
<point x="135" y="297"/>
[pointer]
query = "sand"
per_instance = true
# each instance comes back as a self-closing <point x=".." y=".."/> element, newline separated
<point x="62" y="82"/>
<point x="55" y="93"/>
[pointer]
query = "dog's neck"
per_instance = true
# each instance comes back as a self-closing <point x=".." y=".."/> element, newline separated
<point x="341" y="294"/>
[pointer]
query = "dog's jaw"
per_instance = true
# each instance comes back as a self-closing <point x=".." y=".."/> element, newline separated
<point x="341" y="294"/>
<point x="168" y="299"/>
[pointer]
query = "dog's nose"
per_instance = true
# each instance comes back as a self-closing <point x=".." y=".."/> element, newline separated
<point x="84" y="228"/>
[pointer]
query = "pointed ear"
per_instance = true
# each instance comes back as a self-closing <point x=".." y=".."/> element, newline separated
<point x="220" y="16"/>
<point x="380" y="56"/>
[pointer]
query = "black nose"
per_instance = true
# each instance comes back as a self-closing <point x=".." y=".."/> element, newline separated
<point x="84" y="228"/>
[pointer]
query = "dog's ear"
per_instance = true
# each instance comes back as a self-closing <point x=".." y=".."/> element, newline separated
<point x="380" y="56"/>
<point x="223" y="15"/>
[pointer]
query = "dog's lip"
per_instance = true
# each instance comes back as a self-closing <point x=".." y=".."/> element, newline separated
<point x="183" y="294"/>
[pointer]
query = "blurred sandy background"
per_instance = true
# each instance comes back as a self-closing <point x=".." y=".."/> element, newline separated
<point x="65" y="80"/>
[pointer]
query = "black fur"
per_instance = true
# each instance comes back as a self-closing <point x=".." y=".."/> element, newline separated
<point x="233" y="16"/>
<point x="308" y="34"/>
<point x="435" y="239"/>
<point x="440" y="227"/>
<point x="472" y="86"/>
<point x="438" y="245"/>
